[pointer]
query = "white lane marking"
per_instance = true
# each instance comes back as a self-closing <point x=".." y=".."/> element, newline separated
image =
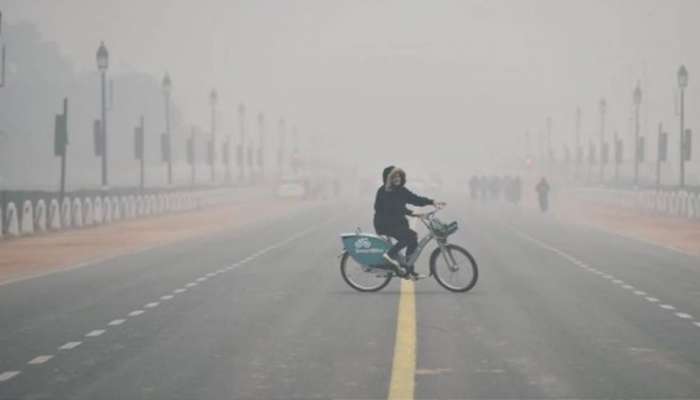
<point x="116" y="322"/>
<point x="95" y="333"/>
<point x="191" y="284"/>
<point x="211" y="274"/>
<point x="6" y="376"/>
<point x="202" y="279"/>
<point x="151" y="305"/>
<point x="606" y="276"/>
<point x="178" y="291"/>
<point x="136" y="313"/>
<point x="70" y="345"/>
<point x="166" y="297"/>
<point x="40" y="360"/>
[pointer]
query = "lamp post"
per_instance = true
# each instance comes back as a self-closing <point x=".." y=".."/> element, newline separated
<point x="682" y="84"/>
<point x="550" y="154"/>
<point x="637" y="97"/>
<point x="602" y="105"/>
<point x="102" y="65"/>
<point x="213" y="100"/>
<point x="240" y="150"/>
<point x="579" y="153"/>
<point x="2" y="72"/>
<point x="261" y="146"/>
<point x="280" y="146"/>
<point x="167" y="89"/>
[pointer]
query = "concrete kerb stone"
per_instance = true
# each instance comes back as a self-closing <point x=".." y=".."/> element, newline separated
<point x="88" y="212"/>
<point x="116" y="209"/>
<point x="66" y="217"/>
<point x="98" y="210"/>
<point x="40" y="216"/>
<point x="107" y="210"/>
<point x="12" y="219"/>
<point x="54" y="215"/>
<point x="27" y="222"/>
<point x="77" y="213"/>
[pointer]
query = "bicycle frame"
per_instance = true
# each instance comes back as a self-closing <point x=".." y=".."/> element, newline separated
<point x="423" y="242"/>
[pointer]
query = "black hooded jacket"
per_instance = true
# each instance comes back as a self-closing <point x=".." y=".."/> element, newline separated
<point x="390" y="203"/>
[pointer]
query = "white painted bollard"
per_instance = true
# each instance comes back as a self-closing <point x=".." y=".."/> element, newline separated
<point x="116" y="209"/>
<point x="12" y="219"/>
<point x="40" y="216"/>
<point x="139" y="205"/>
<point x="27" y="227"/>
<point x="88" y="212"/>
<point x="107" y="210"/>
<point x="54" y="215"/>
<point x="66" y="214"/>
<point x="77" y="213"/>
<point x="133" y="212"/>
<point x="98" y="210"/>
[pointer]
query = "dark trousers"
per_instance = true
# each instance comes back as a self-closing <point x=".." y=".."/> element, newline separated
<point x="405" y="238"/>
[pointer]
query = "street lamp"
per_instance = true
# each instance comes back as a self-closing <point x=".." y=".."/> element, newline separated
<point x="261" y="146"/>
<point x="682" y="84"/>
<point x="167" y="89"/>
<point x="213" y="100"/>
<point x="2" y="72"/>
<point x="240" y="150"/>
<point x="280" y="146"/>
<point x="637" y="97"/>
<point x="602" y="105"/>
<point x="102" y="65"/>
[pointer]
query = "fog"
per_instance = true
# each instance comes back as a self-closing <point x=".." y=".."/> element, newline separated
<point x="455" y="87"/>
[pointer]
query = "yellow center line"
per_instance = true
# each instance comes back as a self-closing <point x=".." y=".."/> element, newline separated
<point x="403" y="369"/>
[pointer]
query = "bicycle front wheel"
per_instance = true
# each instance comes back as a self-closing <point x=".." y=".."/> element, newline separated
<point x="363" y="278"/>
<point x="454" y="268"/>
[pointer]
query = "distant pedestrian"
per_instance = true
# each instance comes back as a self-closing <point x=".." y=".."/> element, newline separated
<point x="542" y="189"/>
<point x="474" y="187"/>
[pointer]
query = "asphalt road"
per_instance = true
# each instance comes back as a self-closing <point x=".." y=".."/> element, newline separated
<point x="559" y="311"/>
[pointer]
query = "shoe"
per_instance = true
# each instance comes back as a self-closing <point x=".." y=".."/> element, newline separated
<point x="416" y="276"/>
<point x="391" y="261"/>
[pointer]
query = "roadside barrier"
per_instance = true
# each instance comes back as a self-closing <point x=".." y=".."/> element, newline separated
<point x="88" y="215"/>
<point x="54" y="215"/>
<point x="116" y="209"/>
<point x="77" y="213"/>
<point x="66" y="220"/>
<point x="12" y="219"/>
<point x="40" y="216"/>
<point x="27" y="227"/>
<point x="98" y="210"/>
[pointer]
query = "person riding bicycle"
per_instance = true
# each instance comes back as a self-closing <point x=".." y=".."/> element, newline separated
<point x="390" y="215"/>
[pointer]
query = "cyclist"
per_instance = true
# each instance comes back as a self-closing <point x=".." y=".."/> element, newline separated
<point x="390" y="216"/>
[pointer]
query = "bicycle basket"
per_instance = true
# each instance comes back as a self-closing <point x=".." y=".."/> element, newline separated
<point x="442" y="229"/>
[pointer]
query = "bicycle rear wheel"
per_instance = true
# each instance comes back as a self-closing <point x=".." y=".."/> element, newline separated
<point x="454" y="269"/>
<point x="363" y="278"/>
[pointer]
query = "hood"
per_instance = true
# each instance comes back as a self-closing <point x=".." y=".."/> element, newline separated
<point x="394" y="171"/>
<point x="386" y="173"/>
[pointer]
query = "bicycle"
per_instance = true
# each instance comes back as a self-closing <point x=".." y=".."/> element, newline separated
<point x="364" y="269"/>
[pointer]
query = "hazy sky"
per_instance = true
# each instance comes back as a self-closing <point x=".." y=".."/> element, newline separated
<point x="461" y="76"/>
